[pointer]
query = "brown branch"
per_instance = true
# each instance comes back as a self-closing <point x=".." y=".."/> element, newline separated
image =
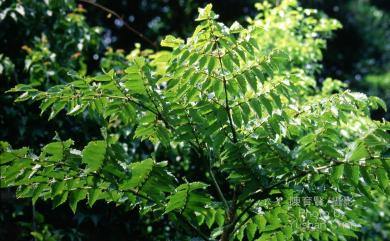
<point x="197" y="230"/>
<point x="131" y="29"/>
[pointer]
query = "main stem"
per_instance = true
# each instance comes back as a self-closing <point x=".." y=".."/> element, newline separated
<point x="231" y="213"/>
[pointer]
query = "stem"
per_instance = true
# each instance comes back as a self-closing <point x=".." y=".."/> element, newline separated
<point x="197" y="230"/>
<point x="131" y="29"/>
<point x="227" y="107"/>
<point x="230" y="211"/>
<point x="218" y="188"/>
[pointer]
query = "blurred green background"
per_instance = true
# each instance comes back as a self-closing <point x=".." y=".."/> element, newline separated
<point x="40" y="41"/>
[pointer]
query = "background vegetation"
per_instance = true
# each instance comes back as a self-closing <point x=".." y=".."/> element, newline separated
<point x="41" y="41"/>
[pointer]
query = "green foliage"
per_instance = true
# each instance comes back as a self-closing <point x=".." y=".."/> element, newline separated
<point x="41" y="42"/>
<point x="371" y="72"/>
<point x="300" y="32"/>
<point x="244" y="100"/>
<point x="51" y="52"/>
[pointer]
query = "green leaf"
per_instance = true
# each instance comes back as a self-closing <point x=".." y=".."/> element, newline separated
<point x="251" y="229"/>
<point x="256" y="106"/>
<point x="336" y="174"/>
<point x="251" y="80"/>
<point x="366" y="176"/>
<point x="363" y="189"/>
<point x="182" y="198"/>
<point x="205" y="13"/>
<point x="56" y="108"/>
<point x="193" y="58"/>
<point x="38" y="192"/>
<point x="280" y="236"/>
<point x="259" y="74"/>
<point x="75" y="110"/>
<point x="134" y="83"/>
<point x="105" y="77"/>
<point x="10" y="156"/>
<point x="236" y="27"/>
<point x="210" y="218"/>
<point x="37" y="236"/>
<point x="184" y="55"/>
<point x="220" y="217"/>
<point x="265" y="237"/>
<point x="267" y="105"/>
<point x="163" y="135"/>
<point x="277" y="100"/>
<point x="46" y="104"/>
<point x="228" y="63"/>
<point x="75" y="197"/>
<point x="260" y="221"/>
<point x="359" y="152"/>
<point x="346" y="232"/>
<point x="382" y="177"/>
<point x="171" y="41"/>
<point x="211" y="64"/>
<point x="140" y="173"/>
<point x="242" y="83"/>
<point x="60" y="199"/>
<point x="386" y="165"/>
<point x="58" y="188"/>
<point x="56" y="151"/>
<point x="288" y="231"/>
<point x="352" y="173"/>
<point x="93" y="195"/>
<point x="94" y="154"/>
<point x="378" y="101"/>
<point x="202" y="61"/>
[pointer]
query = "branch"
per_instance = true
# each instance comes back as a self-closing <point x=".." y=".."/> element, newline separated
<point x="227" y="107"/>
<point x="230" y="122"/>
<point x="218" y="189"/>
<point x="263" y="193"/>
<point x="197" y="230"/>
<point x="131" y="29"/>
<point x="230" y="211"/>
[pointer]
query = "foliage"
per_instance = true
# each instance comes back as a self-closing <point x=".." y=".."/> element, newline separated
<point x="247" y="106"/>
<point x="372" y="71"/>
<point x="68" y="32"/>
<point x="41" y="41"/>
<point x="374" y="28"/>
<point x="52" y="38"/>
<point x="300" y="32"/>
<point x="360" y="53"/>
